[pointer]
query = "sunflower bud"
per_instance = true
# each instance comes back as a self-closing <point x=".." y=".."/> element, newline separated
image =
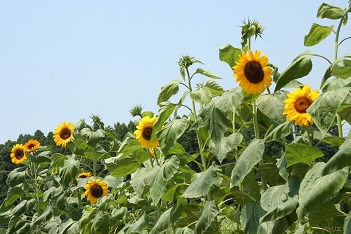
<point x="250" y="29"/>
<point x="136" y="111"/>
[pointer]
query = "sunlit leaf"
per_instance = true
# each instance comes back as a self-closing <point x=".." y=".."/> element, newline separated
<point x="316" y="188"/>
<point x="215" y="88"/>
<point x="69" y="171"/>
<point x="202" y="185"/>
<point x="16" y="176"/>
<point x="299" y="67"/>
<point x="279" y="132"/>
<point x="247" y="160"/>
<point x="229" y="54"/>
<point x="301" y="153"/>
<point x="100" y="223"/>
<point x="341" y="67"/>
<point x="208" y="214"/>
<point x="165" y="111"/>
<point x="139" y="225"/>
<point x="169" y="217"/>
<point x="93" y="137"/>
<point x="226" y="145"/>
<point x="347" y="223"/>
<point x="250" y="217"/>
<point x="168" y="91"/>
<point x="330" y="12"/>
<point x="206" y="73"/>
<point x="321" y="214"/>
<point x="324" y="109"/>
<point x="345" y="112"/>
<point x="272" y="105"/>
<point x="317" y="34"/>
<point x="201" y="95"/>
<point x="128" y="146"/>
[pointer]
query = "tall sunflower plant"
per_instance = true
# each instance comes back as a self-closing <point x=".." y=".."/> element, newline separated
<point x="266" y="160"/>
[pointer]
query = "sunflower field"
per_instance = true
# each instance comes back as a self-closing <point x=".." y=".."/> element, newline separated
<point x="263" y="163"/>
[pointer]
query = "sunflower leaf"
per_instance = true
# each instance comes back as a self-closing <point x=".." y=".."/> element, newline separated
<point x="168" y="91"/>
<point x="166" y="219"/>
<point x="170" y="133"/>
<point x="250" y="217"/>
<point x="69" y="171"/>
<point x="301" y="153"/>
<point x="272" y="105"/>
<point x="299" y="67"/>
<point x="330" y="12"/>
<point x="279" y="132"/>
<point x="247" y="160"/>
<point x="229" y="54"/>
<point x="317" y="34"/>
<point x="226" y="145"/>
<point x="16" y="176"/>
<point x="342" y="67"/>
<point x="206" y="73"/>
<point x="201" y="95"/>
<point x="215" y="88"/>
<point x="208" y="214"/>
<point x="165" y="111"/>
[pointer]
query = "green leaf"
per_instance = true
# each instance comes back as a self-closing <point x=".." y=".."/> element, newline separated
<point x="168" y="91"/>
<point x="43" y="157"/>
<point x="165" y="173"/>
<point x="317" y="34"/>
<point x="330" y="12"/>
<point x="279" y="132"/>
<point x="341" y="67"/>
<point x="316" y="188"/>
<point x="172" y="194"/>
<point x="208" y="214"/>
<point x="201" y="95"/>
<point x="215" y="88"/>
<point x="118" y="166"/>
<point x="206" y="73"/>
<point x="16" y="176"/>
<point x="272" y="105"/>
<point x="299" y="67"/>
<point x="20" y="208"/>
<point x="324" y="109"/>
<point x="139" y="225"/>
<point x="250" y="217"/>
<point x="215" y="113"/>
<point x="320" y="214"/>
<point x="100" y="224"/>
<point x="93" y="137"/>
<point x="301" y="153"/>
<point x="345" y="112"/>
<point x="171" y="132"/>
<point x="229" y="54"/>
<point x="128" y="146"/>
<point x="203" y="182"/>
<point x="226" y="145"/>
<point x="347" y="223"/>
<point x="169" y="217"/>
<point x="51" y="193"/>
<point x="340" y="159"/>
<point x="68" y="172"/>
<point x="247" y="160"/>
<point x="165" y="111"/>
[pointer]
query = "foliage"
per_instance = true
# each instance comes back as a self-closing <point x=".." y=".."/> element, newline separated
<point x="250" y="170"/>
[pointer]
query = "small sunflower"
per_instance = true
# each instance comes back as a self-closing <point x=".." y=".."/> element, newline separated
<point x="84" y="175"/>
<point x="252" y="72"/>
<point x="63" y="133"/>
<point x="18" y="154"/>
<point x="144" y="132"/>
<point x="95" y="189"/>
<point x="31" y="145"/>
<point x="297" y="103"/>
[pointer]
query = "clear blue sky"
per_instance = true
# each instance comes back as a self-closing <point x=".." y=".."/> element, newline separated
<point x="67" y="60"/>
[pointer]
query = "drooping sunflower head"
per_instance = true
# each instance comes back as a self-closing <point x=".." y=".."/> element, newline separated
<point x="252" y="72"/>
<point x="297" y="103"/>
<point x="18" y="154"/>
<point x="144" y="132"/>
<point x="95" y="189"/>
<point x="63" y="133"/>
<point x="84" y="175"/>
<point x="31" y="145"/>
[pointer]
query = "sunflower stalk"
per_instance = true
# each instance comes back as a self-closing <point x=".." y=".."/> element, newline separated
<point x="34" y="176"/>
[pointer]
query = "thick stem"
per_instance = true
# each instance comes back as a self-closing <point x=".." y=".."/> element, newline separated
<point x="254" y="111"/>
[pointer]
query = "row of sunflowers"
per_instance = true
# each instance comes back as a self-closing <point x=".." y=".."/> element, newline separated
<point x="267" y="161"/>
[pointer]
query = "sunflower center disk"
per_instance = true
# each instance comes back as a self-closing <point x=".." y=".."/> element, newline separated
<point x="253" y="72"/>
<point x="147" y="133"/>
<point x="19" y="154"/>
<point x="96" y="191"/>
<point x="65" y="133"/>
<point x="301" y="104"/>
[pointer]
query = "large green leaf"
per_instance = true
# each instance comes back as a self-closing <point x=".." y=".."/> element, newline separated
<point x="165" y="173"/>
<point x="316" y="188"/>
<point x="340" y="159"/>
<point x="341" y="67"/>
<point x="214" y="87"/>
<point x="226" y="145"/>
<point x="324" y="109"/>
<point x="247" y="160"/>
<point x="229" y="54"/>
<point x="345" y="112"/>
<point x="68" y="172"/>
<point x="272" y="105"/>
<point x="165" y="111"/>
<point x="168" y="91"/>
<point x="201" y="95"/>
<point x="206" y="73"/>
<point x="208" y="214"/>
<point x="321" y="214"/>
<point x="139" y="225"/>
<point x="347" y="223"/>
<point x="203" y="182"/>
<point x="16" y="176"/>
<point x="330" y="12"/>
<point x="250" y="217"/>
<point x="317" y="34"/>
<point x="100" y="224"/>
<point x="299" y="67"/>
<point x="171" y="132"/>
<point x="301" y="153"/>
<point x="93" y="137"/>
<point x="168" y="218"/>
<point x="128" y="146"/>
<point x="279" y="132"/>
<point x="215" y="113"/>
<point x="118" y="166"/>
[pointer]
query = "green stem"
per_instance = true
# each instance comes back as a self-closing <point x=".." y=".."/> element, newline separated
<point x="309" y="135"/>
<point x="233" y="121"/>
<point x="36" y="189"/>
<point x="94" y="162"/>
<point x="254" y="111"/>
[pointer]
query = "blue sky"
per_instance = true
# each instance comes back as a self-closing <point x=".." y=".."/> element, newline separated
<point x="67" y="60"/>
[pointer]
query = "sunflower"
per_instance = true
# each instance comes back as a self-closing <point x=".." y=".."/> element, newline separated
<point x="297" y="103"/>
<point x="18" y="154"/>
<point x="95" y="189"/>
<point x="144" y="132"/>
<point x="63" y="133"/>
<point x="84" y="175"/>
<point x="252" y="73"/>
<point x="31" y="145"/>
